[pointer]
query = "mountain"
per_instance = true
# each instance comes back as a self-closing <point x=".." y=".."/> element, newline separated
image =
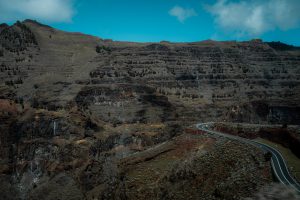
<point x="106" y="119"/>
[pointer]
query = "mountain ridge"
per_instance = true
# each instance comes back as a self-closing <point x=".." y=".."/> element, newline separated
<point x="290" y="46"/>
<point x="104" y="116"/>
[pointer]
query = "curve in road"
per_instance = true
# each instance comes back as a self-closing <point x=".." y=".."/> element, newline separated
<point x="278" y="163"/>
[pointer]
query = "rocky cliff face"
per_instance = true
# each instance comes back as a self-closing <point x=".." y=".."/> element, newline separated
<point x="232" y="81"/>
<point x="88" y="116"/>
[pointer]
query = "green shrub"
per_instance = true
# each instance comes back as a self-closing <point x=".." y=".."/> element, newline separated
<point x="100" y="49"/>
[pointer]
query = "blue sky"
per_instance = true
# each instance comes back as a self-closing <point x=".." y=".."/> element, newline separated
<point x="171" y="20"/>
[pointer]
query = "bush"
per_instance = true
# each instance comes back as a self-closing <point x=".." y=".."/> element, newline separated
<point x="100" y="49"/>
<point x="9" y="83"/>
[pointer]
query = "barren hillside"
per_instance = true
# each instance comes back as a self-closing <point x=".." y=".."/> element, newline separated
<point x="91" y="117"/>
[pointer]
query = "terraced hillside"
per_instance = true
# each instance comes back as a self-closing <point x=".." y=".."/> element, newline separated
<point x="93" y="115"/>
<point x="241" y="81"/>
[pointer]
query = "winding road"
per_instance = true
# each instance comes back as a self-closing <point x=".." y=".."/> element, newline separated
<point x="278" y="163"/>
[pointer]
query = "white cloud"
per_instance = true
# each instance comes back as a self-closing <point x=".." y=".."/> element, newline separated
<point x="255" y="17"/>
<point x="44" y="10"/>
<point x="181" y="13"/>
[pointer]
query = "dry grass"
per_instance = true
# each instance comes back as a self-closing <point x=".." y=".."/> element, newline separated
<point x="146" y="169"/>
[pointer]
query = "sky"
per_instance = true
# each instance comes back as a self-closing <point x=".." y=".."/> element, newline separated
<point x="164" y="20"/>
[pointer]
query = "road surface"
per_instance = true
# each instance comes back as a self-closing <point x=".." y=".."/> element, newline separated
<point x="278" y="163"/>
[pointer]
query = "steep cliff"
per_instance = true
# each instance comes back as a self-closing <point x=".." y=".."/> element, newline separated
<point x="76" y="110"/>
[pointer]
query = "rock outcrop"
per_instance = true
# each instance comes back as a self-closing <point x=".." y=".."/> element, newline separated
<point x="103" y="119"/>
